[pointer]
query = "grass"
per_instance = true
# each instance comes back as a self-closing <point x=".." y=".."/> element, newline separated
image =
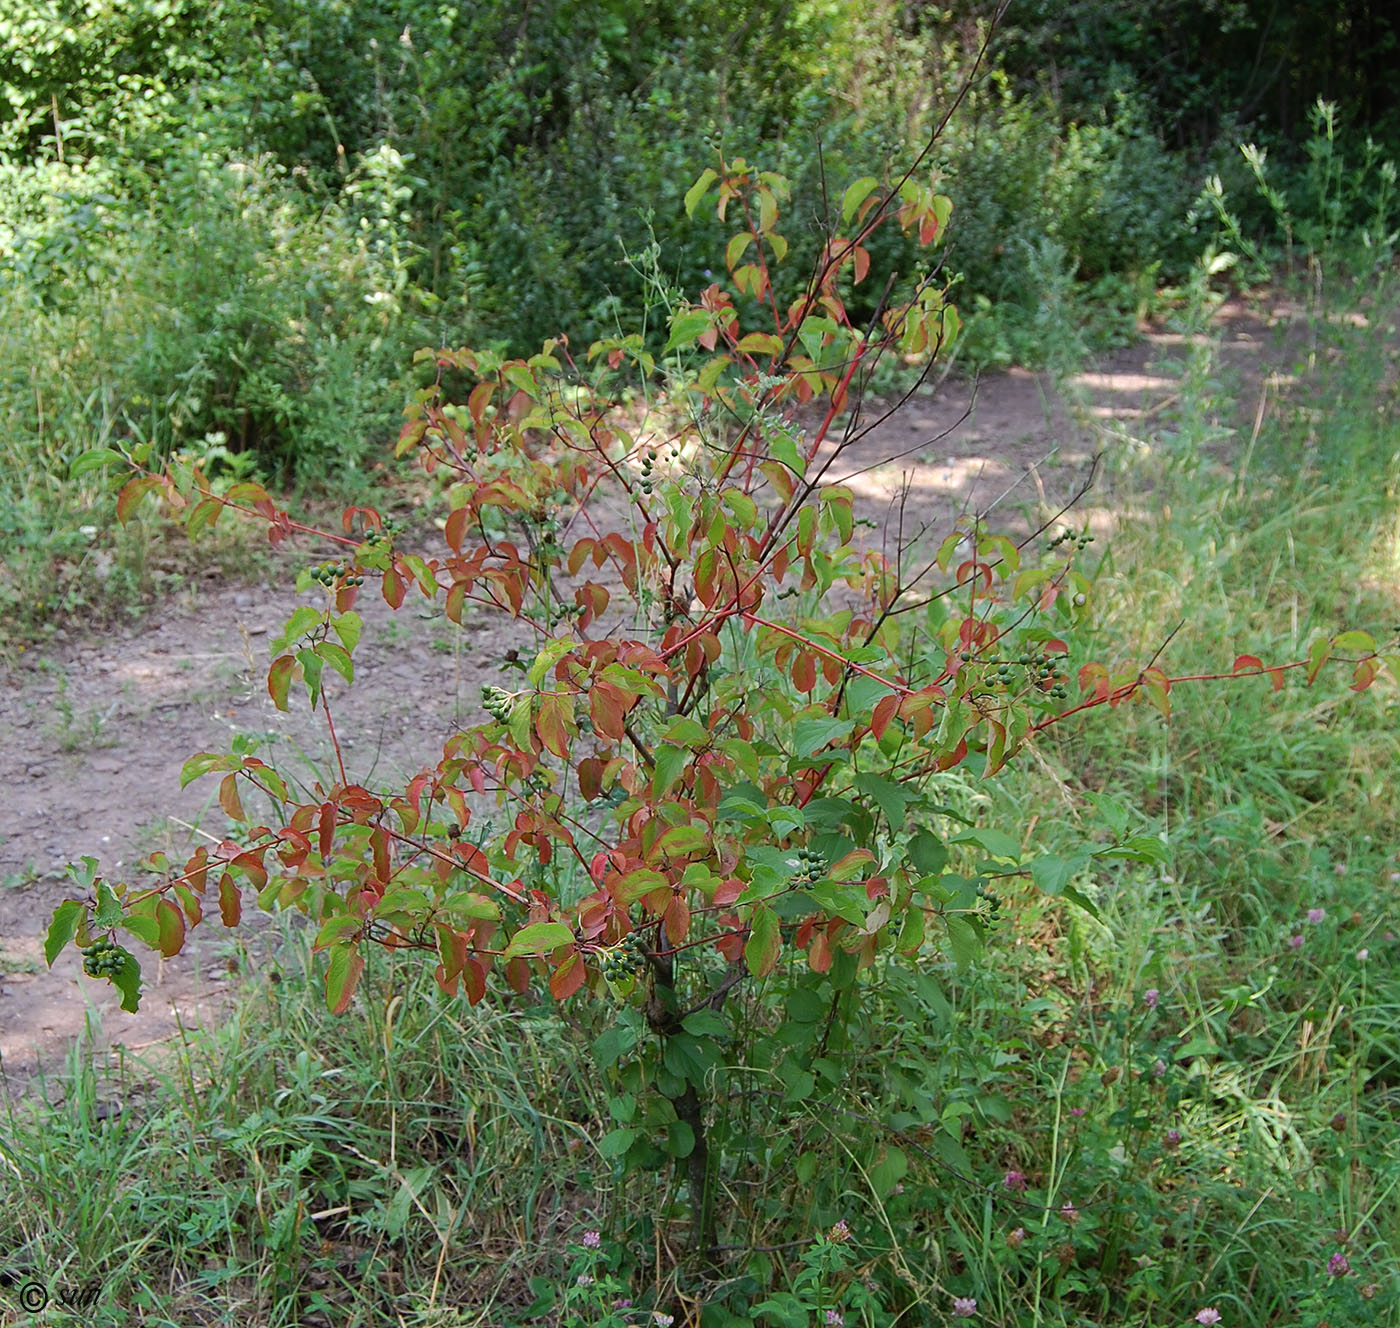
<point x="1181" y="1101"/>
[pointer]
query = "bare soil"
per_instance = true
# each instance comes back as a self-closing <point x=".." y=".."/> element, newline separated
<point x="94" y="729"/>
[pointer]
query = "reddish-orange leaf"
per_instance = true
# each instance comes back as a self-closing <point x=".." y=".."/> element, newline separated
<point x="171" y="924"/>
<point x="1243" y="662"/>
<point x="279" y="680"/>
<point x="393" y="588"/>
<point x="579" y="553"/>
<point x="230" y="901"/>
<point x="884" y="712"/>
<point x="590" y="778"/>
<point x="474" y="980"/>
<point x="326" y="827"/>
<point x="553" y="722"/>
<point x="677" y="922"/>
<point x="1365" y="674"/>
<point x="229" y="799"/>
<point x="804" y="672"/>
<point x="518" y="975"/>
<point x="379" y="845"/>
<point x="132" y="493"/>
<point x="480" y="396"/>
<point x="252" y="863"/>
<point x="568" y="977"/>
<point x="458" y="523"/>
<point x="949" y="759"/>
<point x="608" y="705"/>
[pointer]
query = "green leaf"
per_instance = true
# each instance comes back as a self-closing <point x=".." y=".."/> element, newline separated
<point x="996" y="842"/>
<point x="539" y="938"/>
<point x="127" y="980"/>
<point x="783" y="448"/>
<point x="338" y="658"/>
<point x="856" y="194"/>
<point x="670" y="761"/>
<point x="311" y="667"/>
<point x="705" y="1023"/>
<point x="764" y="943"/>
<point x="303" y="619"/>
<point x="891" y="798"/>
<point x="94" y="459"/>
<point x="928" y="853"/>
<point x="614" y="1043"/>
<point x="343" y="976"/>
<point x="888" y="1170"/>
<point x="144" y="928"/>
<point x="67" y="918"/>
<point x="616" y="1142"/>
<point x="699" y="189"/>
<point x="1052" y="874"/>
<point x="680" y="1140"/>
<point x="109" y="908"/>
<point x="686" y="732"/>
<point x="552" y="653"/>
<point x="963" y="941"/>
<point x="809" y="736"/>
<point x="202" y="764"/>
<point x="348" y="627"/>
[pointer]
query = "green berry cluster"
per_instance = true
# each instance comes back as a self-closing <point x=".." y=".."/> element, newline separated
<point x="625" y="959"/>
<point x="648" y="467"/>
<point x="385" y="534"/>
<point x="1080" y="542"/>
<point x="332" y="571"/>
<point x="1040" y="670"/>
<point x="104" y="958"/>
<point x="989" y="903"/>
<point x="498" y="703"/>
<point x="811" y="866"/>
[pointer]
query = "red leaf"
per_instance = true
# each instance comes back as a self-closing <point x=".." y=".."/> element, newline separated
<point x="279" y="680"/>
<point x="1365" y="674"/>
<point x="379" y="845"/>
<point x="132" y="493"/>
<point x="552" y="724"/>
<point x="804" y="672"/>
<point x="567" y="978"/>
<point x="393" y="588"/>
<point x="884" y="712"/>
<point x="518" y="975"/>
<point x="949" y="759"/>
<point x="677" y="921"/>
<point x="230" y="901"/>
<point x="458" y="523"/>
<point x="229" y="799"/>
<point x="1243" y="662"/>
<point x="327" y="829"/>
<point x="171" y="923"/>
<point x="608" y="705"/>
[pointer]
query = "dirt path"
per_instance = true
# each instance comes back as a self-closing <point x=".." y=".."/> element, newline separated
<point x="93" y="733"/>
